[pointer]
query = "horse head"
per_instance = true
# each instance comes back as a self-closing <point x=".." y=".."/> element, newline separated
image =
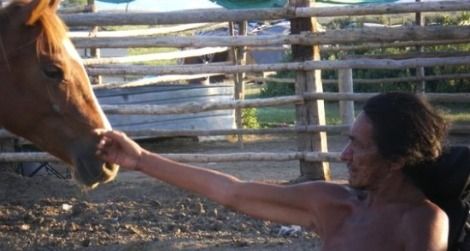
<point x="45" y="93"/>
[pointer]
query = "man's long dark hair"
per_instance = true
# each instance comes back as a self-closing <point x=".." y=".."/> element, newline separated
<point x="406" y="126"/>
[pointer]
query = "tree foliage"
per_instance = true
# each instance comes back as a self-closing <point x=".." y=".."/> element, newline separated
<point x="453" y="85"/>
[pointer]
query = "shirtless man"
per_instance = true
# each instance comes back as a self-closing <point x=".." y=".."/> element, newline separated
<point x="380" y="209"/>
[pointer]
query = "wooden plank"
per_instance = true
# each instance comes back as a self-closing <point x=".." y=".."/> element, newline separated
<point x="310" y="112"/>
<point x="363" y="63"/>
<point x="343" y="36"/>
<point x="155" y="133"/>
<point x="221" y="15"/>
<point x="154" y="56"/>
<point x="227" y="157"/>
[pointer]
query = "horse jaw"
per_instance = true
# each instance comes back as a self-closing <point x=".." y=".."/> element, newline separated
<point x="82" y="172"/>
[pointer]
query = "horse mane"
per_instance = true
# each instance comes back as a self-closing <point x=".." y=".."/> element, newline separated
<point x="53" y="30"/>
<point x="53" y="33"/>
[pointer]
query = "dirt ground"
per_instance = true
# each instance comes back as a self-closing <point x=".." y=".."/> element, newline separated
<point x="136" y="212"/>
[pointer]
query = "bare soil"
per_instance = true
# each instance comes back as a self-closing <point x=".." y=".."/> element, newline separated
<point x="136" y="212"/>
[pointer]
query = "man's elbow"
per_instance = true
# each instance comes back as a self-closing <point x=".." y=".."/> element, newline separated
<point x="228" y="194"/>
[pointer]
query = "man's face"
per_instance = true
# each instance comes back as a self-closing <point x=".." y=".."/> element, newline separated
<point x="365" y="165"/>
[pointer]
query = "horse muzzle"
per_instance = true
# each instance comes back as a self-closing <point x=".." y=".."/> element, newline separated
<point x="90" y="171"/>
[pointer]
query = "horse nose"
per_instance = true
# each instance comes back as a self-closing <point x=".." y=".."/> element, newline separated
<point x="90" y="172"/>
<point x="109" y="172"/>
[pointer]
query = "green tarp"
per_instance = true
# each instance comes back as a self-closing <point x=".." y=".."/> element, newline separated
<point x="251" y="4"/>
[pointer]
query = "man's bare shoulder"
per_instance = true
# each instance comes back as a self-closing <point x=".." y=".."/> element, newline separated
<point x="425" y="223"/>
<point x="425" y="212"/>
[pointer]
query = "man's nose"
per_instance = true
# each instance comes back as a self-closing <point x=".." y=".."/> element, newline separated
<point x="346" y="154"/>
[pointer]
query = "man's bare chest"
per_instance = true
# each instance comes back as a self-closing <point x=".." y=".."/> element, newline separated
<point x="365" y="231"/>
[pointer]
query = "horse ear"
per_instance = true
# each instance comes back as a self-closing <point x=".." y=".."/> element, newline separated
<point x="36" y="8"/>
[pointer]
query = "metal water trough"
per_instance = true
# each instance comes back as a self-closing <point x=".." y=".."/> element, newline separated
<point x="170" y="95"/>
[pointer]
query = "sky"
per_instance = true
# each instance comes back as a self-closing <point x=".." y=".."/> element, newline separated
<point x="170" y="5"/>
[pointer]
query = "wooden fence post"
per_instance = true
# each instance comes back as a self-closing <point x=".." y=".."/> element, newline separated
<point x="94" y="52"/>
<point x="421" y="86"/>
<point x="345" y="85"/>
<point x="311" y="112"/>
<point x="239" y="58"/>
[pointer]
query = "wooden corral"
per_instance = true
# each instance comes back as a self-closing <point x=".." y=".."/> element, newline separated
<point x="328" y="41"/>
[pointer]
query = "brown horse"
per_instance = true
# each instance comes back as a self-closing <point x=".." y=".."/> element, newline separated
<point x="45" y="93"/>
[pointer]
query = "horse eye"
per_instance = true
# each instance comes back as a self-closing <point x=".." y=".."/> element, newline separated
<point x="52" y="71"/>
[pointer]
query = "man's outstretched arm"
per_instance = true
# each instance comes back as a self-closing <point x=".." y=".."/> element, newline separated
<point x="285" y="204"/>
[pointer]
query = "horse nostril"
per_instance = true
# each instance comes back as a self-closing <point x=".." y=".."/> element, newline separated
<point x="108" y="166"/>
<point x="109" y="171"/>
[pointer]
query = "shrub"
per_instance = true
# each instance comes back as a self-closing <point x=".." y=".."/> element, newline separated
<point x="249" y="118"/>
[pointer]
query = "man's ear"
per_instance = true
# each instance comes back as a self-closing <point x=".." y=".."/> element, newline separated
<point x="35" y="9"/>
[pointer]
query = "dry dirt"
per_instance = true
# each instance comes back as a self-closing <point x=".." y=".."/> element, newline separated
<point x="136" y="212"/>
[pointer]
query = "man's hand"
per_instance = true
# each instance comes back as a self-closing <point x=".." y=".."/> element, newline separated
<point x="116" y="147"/>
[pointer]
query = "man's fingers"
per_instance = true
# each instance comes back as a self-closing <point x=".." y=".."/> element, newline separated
<point x="116" y="136"/>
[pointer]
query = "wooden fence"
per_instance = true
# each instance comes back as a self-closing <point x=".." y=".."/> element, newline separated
<point x="310" y="125"/>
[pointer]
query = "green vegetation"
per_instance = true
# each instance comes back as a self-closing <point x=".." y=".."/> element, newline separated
<point x="275" y="116"/>
<point x="249" y="118"/>
<point x="456" y="113"/>
<point x="285" y="116"/>
<point x="266" y="117"/>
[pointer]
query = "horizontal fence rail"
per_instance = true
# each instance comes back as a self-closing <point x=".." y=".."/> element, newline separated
<point x="222" y="15"/>
<point x="155" y="133"/>
<point x="145" y="32"/>
<point x="356" y="35"/>
<point x="368" y="81"/>
<point x="221" y="157"/>
<point x="432" y="97"/>
<point x="155" y="56"/>
<point x="363" y="63"/>
<point x="195" y="107"/>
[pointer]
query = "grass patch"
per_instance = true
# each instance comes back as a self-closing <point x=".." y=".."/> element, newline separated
<point x="285" y="116"/>
<point x="274" y="116"/>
